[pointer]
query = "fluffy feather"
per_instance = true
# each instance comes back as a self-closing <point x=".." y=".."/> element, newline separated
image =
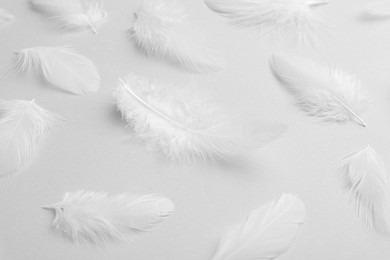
<point x="72" y="14"/>
<point x="278" y="17"/>
<point x="59" y="66"/>
<point x="22" y="124"/>
<point x="366" y="180"/>
<point x="266" y="233"/>
<point x="96" y="218"/>
<point x="185" y="126"/>
<point x="5" y="18"/>
<point x="328" y="94"/>
<point x="378" y="9"/>
<point x="161" y="30"/>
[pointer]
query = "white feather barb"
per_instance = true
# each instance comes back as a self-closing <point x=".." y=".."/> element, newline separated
<point x="265" y="233"/>
<point x="327" y="94"/>
<point x="96" y="218"/>
<point x="72" y="14"/>
<point x="161" y="30"/>
<point x="22" y="125"/>
<point x="6" y="18"/>
<point x="184" y="126"/>
<point x="364" y="177"/>
<point x="276" y="17"/>
<point x="377" y="9"/>
<point x="59" y="66"/>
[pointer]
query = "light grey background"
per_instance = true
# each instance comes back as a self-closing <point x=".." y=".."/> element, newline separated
<point x="86" y="152"/>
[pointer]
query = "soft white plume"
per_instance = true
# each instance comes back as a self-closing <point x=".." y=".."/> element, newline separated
<point x="60" y="66"/>
<point x="72" y="14"/>
<point x="265" y="233"/>
<point x="276" y="17"/>
<point x="5" y="18"/>
<point x="366" y="180"/>
<point x="22" y="125"/>
<point x="162" y="30"/>
<point x="378" y="9"/>
<point x="327" y="94"/>
<point x="95" y="217"/>
<point x="183" y="125"/>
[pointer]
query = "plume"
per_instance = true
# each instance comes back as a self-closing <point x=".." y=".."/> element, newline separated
<point x="327" y="94"/>
<point x="96" y="218"/>
<point x="183" y="125"/>
<point x="59" y="66"/>
<point x="72" y="14"/>
<point x="265" y="233"/>
<point x="279" y="17"/>
<point x="161" y="29"/>
<point x="5" y="18"/>
<point x="378" y="9"/>
<point x="22" y="124"/>
<point x="364" y="177"/>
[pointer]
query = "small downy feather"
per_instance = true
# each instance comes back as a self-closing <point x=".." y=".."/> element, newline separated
<point x="72" y="14"/>
<point x="60" y="67"/>
<point x="276" y="17"/>
<point x="185" y="126"/>
<point x="22" y="124"/>
<point x="5" y="18"/>
<point x="265" y="233"/>
<point x="378" y="9"/>
<point x="326" y="94"/>
<point x="161" y="29"/>
<point x="364" y="177"/>
<point x="96" y="218"/>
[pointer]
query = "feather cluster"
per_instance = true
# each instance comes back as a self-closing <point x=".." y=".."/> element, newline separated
<point x="95" y="217"/>
<point x="327" y="94"/>
<point x="161" y="30"/>
<point x="72" y="14"/>
<point x="5" y="18"/>
<point x="59" y="66"/>
<point x="185" y="126"/>
<point x="276" y="17"/>
<point x="365" y="178"/>
<point x="265" y="233"/>
<point x="378" y="9"/>
<point x="22" y="125"/>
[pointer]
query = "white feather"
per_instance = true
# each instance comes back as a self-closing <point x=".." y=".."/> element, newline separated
<point x="378" y="9"/>
<point x="277" y="17"/>
<point x="185" y="126"/>
<point x="96" y="218"/>
<point x="22" y="124"/>
<point x="161" y="30"/>
<point x="327" y="94"/>
<point x="59" y="66"/>
<point x="5" y="18"/>
<point x="72" y="14"/>
<point x="265" y="233"/>
<point x="365" y="178"/>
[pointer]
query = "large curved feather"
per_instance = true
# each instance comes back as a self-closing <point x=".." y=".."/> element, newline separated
<point x="5" y="18"/>
<point x="266" y="233"/>
<point x="59" y="66"/>
<point x="328" y="94"/>
<point x="22" y="124"/>
<point x="184" y="126"/>
<point x="161" y="31"/>
<point x="365" y="178"/>
<point x="277" y="17"/>
<point x="96" y="218"/>
<point x="72" y="14"/>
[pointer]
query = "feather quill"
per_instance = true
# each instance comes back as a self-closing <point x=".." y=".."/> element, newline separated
<point x="327" y="94"/>
<point x="72" y="14"/>
<point x="22" y="124"/>
<point x="364" y="177"/>
<point x="265" y="233"/>
<point x="95" y="217"/>
<point x="184" y="126"/>
<point x="276" y="17"/>
<point x="378" y="9"/>
<point x="161" y="30"/>
<point x="5" y="18"/>
<point x="59" y="66"/>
